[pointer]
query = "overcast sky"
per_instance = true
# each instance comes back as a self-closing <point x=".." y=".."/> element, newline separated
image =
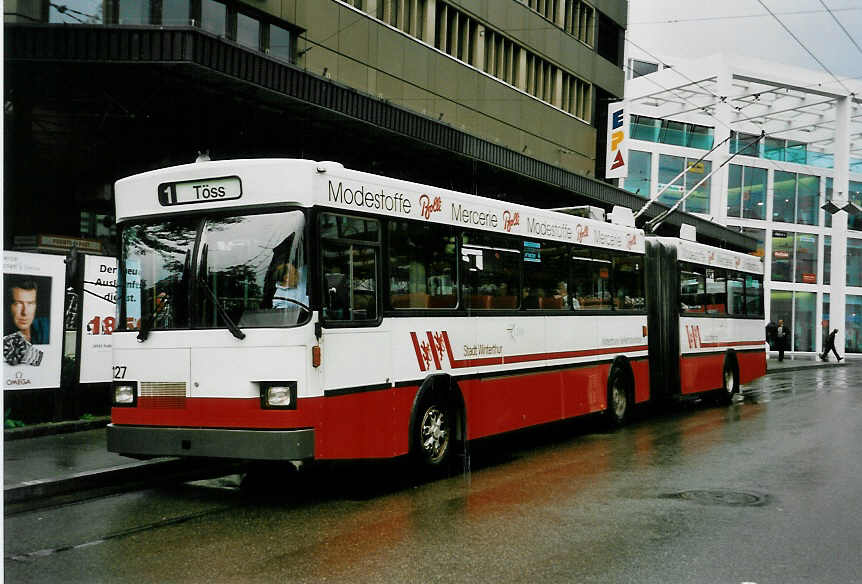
<point x="698" y="28"/>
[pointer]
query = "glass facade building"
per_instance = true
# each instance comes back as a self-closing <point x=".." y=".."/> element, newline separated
<point x="772" y="187"/>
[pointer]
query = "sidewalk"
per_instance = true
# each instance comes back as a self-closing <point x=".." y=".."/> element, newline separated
<point x="47" y="460"/>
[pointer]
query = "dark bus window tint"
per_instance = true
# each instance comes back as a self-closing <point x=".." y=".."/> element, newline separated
<point x="349" y="257"/>
<point x="716" y="291"/>
<point x="591" y="278"/>
<point x="421" y="265"/>
<point x="628" y="282"/>
<point x="334" y="226"/>
<point x="735" y="293"/>
<point x="491" y="271"/>
<point x="545" y="276"/>
<point x="753" y="295"/>
<point x="692" y="288"/>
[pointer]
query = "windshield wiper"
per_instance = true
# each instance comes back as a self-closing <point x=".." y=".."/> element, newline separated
<point x="231" y="325"/>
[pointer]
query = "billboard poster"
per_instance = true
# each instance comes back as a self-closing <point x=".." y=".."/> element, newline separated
<point x="617" y="162"/>
<point x="98" y="318"/>
<point x="33" y="320"/>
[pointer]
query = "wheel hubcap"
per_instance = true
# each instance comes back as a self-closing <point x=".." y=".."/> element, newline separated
<point x="434" y="433"/>
<point x="618" y="395"/>
<point x="728" y="381"/>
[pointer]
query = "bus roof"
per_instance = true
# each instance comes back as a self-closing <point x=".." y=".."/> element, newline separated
<point x="255" y="183"/>
<point x="699" y="253"/>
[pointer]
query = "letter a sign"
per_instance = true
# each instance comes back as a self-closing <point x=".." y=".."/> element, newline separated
<point x="617" y="161"/>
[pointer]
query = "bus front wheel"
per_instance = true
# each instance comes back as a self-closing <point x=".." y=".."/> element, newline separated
<point x="432" y="440"/>
<point x="730" y="381"/>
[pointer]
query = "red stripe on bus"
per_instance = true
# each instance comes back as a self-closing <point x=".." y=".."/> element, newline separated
<point x="571" y="354"/>
<point x="461" y="363"/>
<point x="733" y="343"/>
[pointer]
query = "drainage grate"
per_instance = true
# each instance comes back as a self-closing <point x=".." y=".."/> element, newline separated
<point x="721" y="497"/>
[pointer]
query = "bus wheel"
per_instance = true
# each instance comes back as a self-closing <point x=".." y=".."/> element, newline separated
<point x="730" y="381"/>
<point x="433" y="433"/>
<point x="618" y="398"/>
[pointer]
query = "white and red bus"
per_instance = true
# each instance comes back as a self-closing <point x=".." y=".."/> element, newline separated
<point x="292" y="309"/>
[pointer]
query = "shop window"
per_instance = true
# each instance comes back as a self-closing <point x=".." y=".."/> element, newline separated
<point x="782" y="256"/>
<point x="853" y="331"/>
<point x="804" y="321"/>
<point x="806" y="258"/>
<point x="827" y="259"/>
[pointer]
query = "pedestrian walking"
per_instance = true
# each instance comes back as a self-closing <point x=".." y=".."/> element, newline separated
<point x="780" y="338"/>
<point x="829" y="345"/>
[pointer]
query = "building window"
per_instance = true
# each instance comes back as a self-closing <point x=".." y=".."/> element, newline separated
<point x="214" y="17"/>
<point x="640" y="68"/>
<point x="855" y="196"/>
<point x="176" y="12"/>
<point x="670" y="132"/>
<point x="853" y="334"/>
<point x="784" y="197"/>
<point x="746" y="192"/>
<point x="806" y="258"/>
<point x="827" y="259"/>
<point x="668" y="168"/>
<point x="133" y="12"/>
<point x="578" y="20"/>
<point x="248" y="31"/>
<point x="745" y="144"/>
<point x="804" y="321"/>
<point x="854" y="262"/>
<point x="638" y="180"/>
<point x="75" y="12"/>
<point x="782" y="256"/>
<point x="281" y="43"/>
<point x="698" y="200"/>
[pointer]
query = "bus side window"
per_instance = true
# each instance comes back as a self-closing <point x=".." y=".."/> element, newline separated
<point x="349" y="267"/>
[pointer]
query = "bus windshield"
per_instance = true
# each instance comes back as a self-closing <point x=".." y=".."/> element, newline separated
<point x="214" y="272"/>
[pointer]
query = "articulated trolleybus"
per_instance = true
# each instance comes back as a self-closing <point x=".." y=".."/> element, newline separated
<point x="297" y="310"/>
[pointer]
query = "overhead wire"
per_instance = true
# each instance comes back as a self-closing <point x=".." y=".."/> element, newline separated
<point x="801" y="44"/>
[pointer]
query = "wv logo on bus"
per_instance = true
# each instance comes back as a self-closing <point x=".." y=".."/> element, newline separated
<point x="693" y="334"/>
<point x="431" y="349"/>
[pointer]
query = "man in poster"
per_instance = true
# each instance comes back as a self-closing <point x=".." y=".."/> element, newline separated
<point x="23" y="327"/>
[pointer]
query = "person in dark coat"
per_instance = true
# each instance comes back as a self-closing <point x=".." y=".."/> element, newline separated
<point x="770" y="333"/>
<point x="781" y="338"/>
<point x="829" y="345"/>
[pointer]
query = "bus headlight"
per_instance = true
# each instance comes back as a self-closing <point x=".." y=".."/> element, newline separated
<point x="125" y="394"/>
<point x="280" y="395"/>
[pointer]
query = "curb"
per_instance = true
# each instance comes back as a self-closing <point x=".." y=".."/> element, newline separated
<point x="803" y="367"/>
<point x="114" y="478"/>
<point x="51" y="428"/>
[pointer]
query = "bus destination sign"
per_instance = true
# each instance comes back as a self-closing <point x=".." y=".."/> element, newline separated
<point x="208" y="190"/>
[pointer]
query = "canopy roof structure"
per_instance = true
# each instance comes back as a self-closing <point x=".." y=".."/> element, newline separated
<point x="750" y="96"/>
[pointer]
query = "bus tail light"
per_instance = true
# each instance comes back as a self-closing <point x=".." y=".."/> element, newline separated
<point x="315" y="356"/>
<point x="278" y="395"/>
<point x="125" y="394"/>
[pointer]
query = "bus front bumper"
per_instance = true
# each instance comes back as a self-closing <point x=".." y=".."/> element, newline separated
<point x="147" y="441"/>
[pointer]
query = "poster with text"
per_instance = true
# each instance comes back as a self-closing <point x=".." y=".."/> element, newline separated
<point x="98" y="318"/>
<point x="33" y="286"/>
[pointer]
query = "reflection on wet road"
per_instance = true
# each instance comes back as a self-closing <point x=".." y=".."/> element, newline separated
<point x="768" y="489"/>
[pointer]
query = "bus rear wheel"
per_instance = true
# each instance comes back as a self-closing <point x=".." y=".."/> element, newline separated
<point x="432" y="440"/>
<point x="619" y="403"/>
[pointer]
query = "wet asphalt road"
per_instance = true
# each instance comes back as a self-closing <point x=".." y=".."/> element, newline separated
<point x="768" y="490"/>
